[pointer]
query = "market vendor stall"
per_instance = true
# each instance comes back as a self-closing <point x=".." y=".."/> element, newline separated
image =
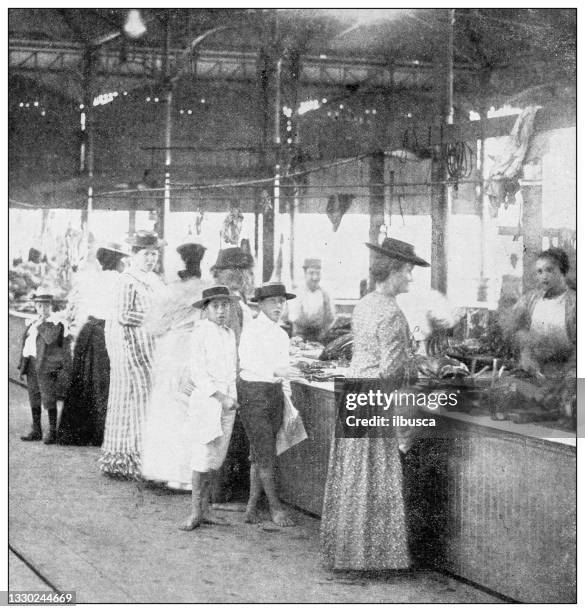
<point x="490" y="491"/>
<point x="490" y="501"/>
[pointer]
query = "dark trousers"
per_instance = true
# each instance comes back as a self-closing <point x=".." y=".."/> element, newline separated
<point x="43" y="387"/>
<point x="261" y="410"/>
<point x="32" y="385"/>
<point x="232" y="481"/>
<point x="48" y="384"/>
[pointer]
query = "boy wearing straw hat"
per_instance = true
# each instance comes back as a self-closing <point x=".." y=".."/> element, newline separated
<point x="44" y="359"/>
<point x="212" y="404"/>
<point x="264" y="366"/>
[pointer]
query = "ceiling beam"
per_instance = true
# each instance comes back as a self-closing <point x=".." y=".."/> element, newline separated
<point x="30" y="56"/>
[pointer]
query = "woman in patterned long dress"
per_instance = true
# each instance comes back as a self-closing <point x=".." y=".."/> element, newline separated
<point x="363" y="525"/>
<point x="130" y="347"/>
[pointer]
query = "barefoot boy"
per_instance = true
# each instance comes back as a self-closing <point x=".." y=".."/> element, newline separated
<point x="264" y="363"/>
<point x="212" y="403"/>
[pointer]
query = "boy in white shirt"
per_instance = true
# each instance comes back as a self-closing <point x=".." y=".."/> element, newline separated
<point x="212" y="404"/>
<point x="264" y="364"/>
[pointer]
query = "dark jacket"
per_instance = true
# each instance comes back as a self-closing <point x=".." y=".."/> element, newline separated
<point x="53" y="352"/>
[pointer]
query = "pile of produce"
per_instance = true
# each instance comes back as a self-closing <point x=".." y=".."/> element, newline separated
<point x="441" y="368"/>
<point x="340" y="349"/>
<point x="300" y="347"/>
<point x="23" y="280"/>
<point x="316" y="370"/>
<point x="340" y="327"/>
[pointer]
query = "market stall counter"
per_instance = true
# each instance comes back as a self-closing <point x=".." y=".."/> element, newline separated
<point x="490" y="501"/>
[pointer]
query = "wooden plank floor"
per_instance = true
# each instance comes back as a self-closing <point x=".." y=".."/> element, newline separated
<point x="116" y="541"/>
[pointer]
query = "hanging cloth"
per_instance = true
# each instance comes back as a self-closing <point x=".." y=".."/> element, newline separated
<point x="503" y="177"/>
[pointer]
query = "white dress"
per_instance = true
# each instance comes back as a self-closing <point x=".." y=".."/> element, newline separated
<point x="167" y="445"/>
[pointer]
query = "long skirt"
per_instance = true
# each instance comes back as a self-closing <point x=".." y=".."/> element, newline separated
<point x="131" y="350"/>
<point x="363" y="525"/>
<point x="84" y="411"/>
<point x="167" y="437"/>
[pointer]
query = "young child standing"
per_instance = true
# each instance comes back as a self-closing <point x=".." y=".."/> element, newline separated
<point x="212" y="404"/>
<point x="264" y="365"/>
<point x="43" y="361"/>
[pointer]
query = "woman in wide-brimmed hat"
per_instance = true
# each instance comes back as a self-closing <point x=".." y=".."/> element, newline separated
<point x="363" y="524"/>
<point x="166" y="449"/>
<point x="131" y="349"/>
<point x="91" y="304"/>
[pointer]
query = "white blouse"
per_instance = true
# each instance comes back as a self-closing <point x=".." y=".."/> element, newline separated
<point x="264" y="348"/>
<point x="548" y="317"/>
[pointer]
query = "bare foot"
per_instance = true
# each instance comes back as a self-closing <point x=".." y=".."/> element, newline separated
<point x="191" y="523"/>
<point x="281" y="518"/>
<point x="253" y="517"/>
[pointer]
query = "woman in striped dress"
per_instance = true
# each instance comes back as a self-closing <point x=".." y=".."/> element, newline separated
<point x="131" y="348"/>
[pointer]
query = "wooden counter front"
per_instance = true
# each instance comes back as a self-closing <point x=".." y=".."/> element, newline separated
<point x="484" y="501"/>
<point x="303" y="468"/>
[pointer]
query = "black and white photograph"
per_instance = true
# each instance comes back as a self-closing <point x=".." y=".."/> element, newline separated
<point x="292" y="305"/>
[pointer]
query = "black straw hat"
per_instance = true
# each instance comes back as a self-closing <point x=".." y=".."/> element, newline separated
<point x="268" y="290"/>
<point x="191" y="251"/>
<point x="215" y="293"/>
<point x="41" y="298"/>
<point x="233" y="257"/>
<point x="396" y="249"/>
<point x="112" y="247"/>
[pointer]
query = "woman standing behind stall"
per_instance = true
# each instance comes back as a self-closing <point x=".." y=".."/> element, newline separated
<point x="131" y="348"/>
<point x="167" y="440"/>
<point x="91" y="305"/>
<point x="543" y="322"/>
<point x="363" y="524"/>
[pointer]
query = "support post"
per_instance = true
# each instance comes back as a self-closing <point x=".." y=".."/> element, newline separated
<point x="165" y="209"/>
<point x="376" y="205"/>
<point x="88" y="150"/>
<point x="268" y="242"/>
<point x="131" y="221"/>
<point x="440" y="190"/>
<point x="487" y="228"/>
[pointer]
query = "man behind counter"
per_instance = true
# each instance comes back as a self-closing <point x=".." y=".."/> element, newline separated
<point x="311" y="313"/>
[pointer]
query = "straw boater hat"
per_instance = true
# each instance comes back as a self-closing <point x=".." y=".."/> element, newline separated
<point x="234" y="257"/>
<point x="396" y="249"/>
<point x="42" y="298"/>
<point x="215" y="293"/>
<point x="268" y="290"/>
<point x="114" y="248"/>
<point x="145" y="240"/>
<point x="312" y="263"/>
